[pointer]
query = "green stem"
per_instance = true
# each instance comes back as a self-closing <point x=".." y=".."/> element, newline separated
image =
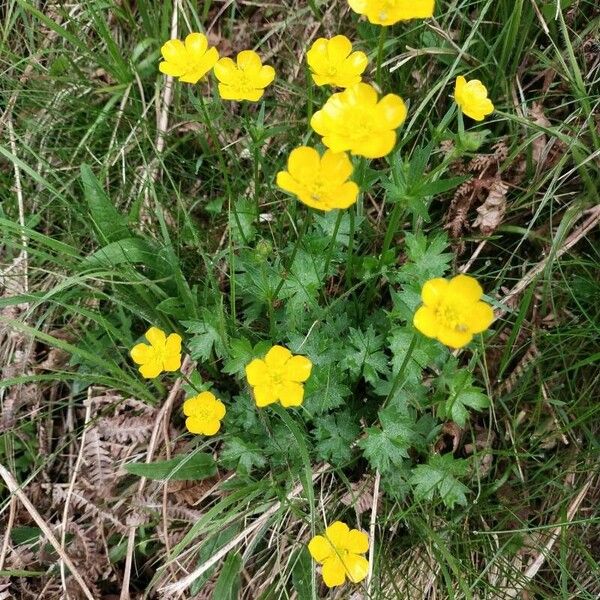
<point x="336" y="228"/>
<point x="349" y="258"/>
<point x="381" y="44"/>
<point x="301" y="235"/>
<point x="400" y="374"/>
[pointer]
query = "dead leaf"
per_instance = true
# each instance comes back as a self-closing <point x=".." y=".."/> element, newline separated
<point x="492" y="211"/>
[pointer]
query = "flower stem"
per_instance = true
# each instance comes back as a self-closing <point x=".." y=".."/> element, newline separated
<point x="398" y="379"/>
<point x="336" y="228"/>
<point x="381" y="44"/>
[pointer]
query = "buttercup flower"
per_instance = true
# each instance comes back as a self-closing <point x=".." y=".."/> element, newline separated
<point x="278" y="377"/>
<point x="319" y="182"/>
<point x="471" y="97"/>
<point x="163" y="353"/>
<point x="189" y="61"/>
<point x="204" y="413"/>
<point x="357" y="120"/>
<point x="452" y="311"/>
<point x="388" y="12"/>
<point x="332" y="62"/>
<point x="245" y="79"/>
<point x="340" y="551"/>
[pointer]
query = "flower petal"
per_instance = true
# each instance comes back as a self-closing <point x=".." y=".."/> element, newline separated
<point x="338" y="48"/>
<point x="264" y="77"/>
<point x="151" y="369"/>
<point x="333" y="571"/>
<point x="264" y="395"/>
<point x="249" y="62"/>
<point x="336" y="167"/>
<point x="357" y="567"/>
<point x="391" y="111"/>
<point x="453" y="338"/>
<point x="465" y="288"/>
<point x="277" y="356"/>
<point x="481" y="316"/>
<point x="298" y="368"/>
<point x="377" y="145"/>
<point x="171" y="69"/>
<point x="291" y="394"/>
<point x="257" y="372"/>
<point x="357" y="541"/>
<point x="218" y="410"/>
<point x="156" y="337"/>
<point x="211" y="426"/>
<point x="425" y="321"/>
<point x="337" y="534"/>
<point x="141" y="353"/>
<point x="196" y="44"/>
<point x="434" y="290"/>
<point x="225" y="71"/>
<point x="173" y="51"/>
<point x="344" y="196"/>
<point x="286" y="182"/>
<point x="304" y="164"/>
<point x="320" y="548"/>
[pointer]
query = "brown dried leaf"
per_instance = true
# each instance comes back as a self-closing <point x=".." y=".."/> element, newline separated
<point x="492" y="211"/>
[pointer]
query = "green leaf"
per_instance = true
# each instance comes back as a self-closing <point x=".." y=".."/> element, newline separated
<point x="440" y="475"/>
<point x="364" y="354"/>
<point x="242" y="456"/>
<point x="241" y="353"/>
<point x="335" y="435"/>
<point x="426" y="258"/>
<point x="185" y="467"/>
<point x="302" y="574"/>
<point x="208" y="333"/>
<point x="130" y="250"/>
<point x="228" y="583"/>
<point x="110" y="225"/>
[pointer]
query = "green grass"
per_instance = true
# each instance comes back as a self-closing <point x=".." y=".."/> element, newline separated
<point x="199" y="232"/>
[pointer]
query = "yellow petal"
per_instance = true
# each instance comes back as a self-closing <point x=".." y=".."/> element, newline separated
<point x="333" y="571"/>
<point x="359" y="6"/>
<point x="225" y="71"/>
<point x="391" y="111"/>
<point x="376" y="146"/>
<point x="298" y="368"/>
<point x="191" y="406"/>
<point x="362" y="94"/>
<point x="264" y="395"/>
<point x="151" y="369"/>
<point x="336" y="168"/>
<point x="465" y="288"/>
<point x="171" y="69"/>
<point x="338" y="48"/>
<point x="211" y="426"/>
<point x="425" y="321"/>
<point x="141" y="353"/>
<point x="172" y="362"/>
<point x="291" y="394"/>
<point x="196" y="44"/>
<point x="218" y="410"/>
<point x="337" y="533"/>
<point x="480" y="317"/>
<point x="344" y="196"/>
<point x="357" y="567"/>
<point x="433" y="291"/>
<point x="304" y="164"/>
<point x="249" y="62"/>
<point x="195" y="425"/>
<point x="229" y="92"/>
<point x="286" y="182"/>
<point x="264" y="77"/>
<point x="173" y="344"/>
<point x="173" y="51"/>
<point x="156" y="337"/>
<point x="453" y="338"/>
<point x="257" y="372"/>
<point x="357" y="541"/>
<point x="277" y="356"/>
<point x="320" y="548"/>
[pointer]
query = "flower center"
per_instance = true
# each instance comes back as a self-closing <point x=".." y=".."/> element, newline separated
<point x="203" y="413"/>
<point x="244" y="83"/>
<point x="331" y="70"/>
<point x="277" y="377"/>
<point x="451" y="317"/>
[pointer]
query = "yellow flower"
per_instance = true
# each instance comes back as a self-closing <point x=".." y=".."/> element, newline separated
<point x="332" y="62"/>
<point x="357" y="120"/>
<point x="163" y="353"/>
<point x="319" y="182"/>
<point x="245" y="80"/>
<point x="204" y="413"/>
<point x="190" y="61"/>
<point x="340" y="551"/>
<point x="452" y="311"/>
<point x="471" y="97"/>
<point x="388" y="12"/>
<point x="278" y="377"/>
